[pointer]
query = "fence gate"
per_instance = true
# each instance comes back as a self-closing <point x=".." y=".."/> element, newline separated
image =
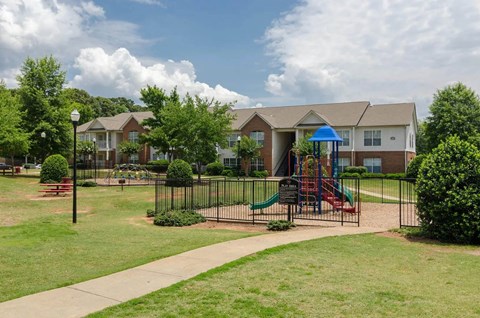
<point x="408" y="204"/>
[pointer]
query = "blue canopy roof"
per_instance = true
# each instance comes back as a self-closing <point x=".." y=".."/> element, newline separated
<point x="325" y="133"/>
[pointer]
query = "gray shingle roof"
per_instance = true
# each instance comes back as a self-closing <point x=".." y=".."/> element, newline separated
<point x="338" y="114"/>
<point x="286" y="117"/>
<point x="116" y="122"/>
<point x="389" y="115"/>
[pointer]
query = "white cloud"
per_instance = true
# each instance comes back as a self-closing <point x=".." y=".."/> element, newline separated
<point x="150" y="2"/>
<point x="381" y="51"/>
<point x="79" y="35"/>
<point x="121" y="74"/>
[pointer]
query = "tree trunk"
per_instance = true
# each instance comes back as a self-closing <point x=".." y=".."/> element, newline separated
<point x="199" y="172"/>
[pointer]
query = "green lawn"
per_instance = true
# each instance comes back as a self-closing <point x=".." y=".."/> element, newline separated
<point x="350" y="276"/>
<point x="41" y="249"/>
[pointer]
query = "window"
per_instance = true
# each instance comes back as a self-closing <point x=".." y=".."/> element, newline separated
<point x="258" y="136"/>
<point x="343" y="163"/>
<point x="232" y="139"/>
<point x="345" y="135"/>
<point x="372" y="138"/>
<point x="133" y="136"/>
<point x="373" y="164"/>
<point x="133" y="158"/>
<point x="231" y="162"/>
<point x="257" y="164"/>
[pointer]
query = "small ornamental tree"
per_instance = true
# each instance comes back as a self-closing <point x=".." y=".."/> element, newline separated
<point x="54" y="168"/>
<point x="129" y="148"/>
<point x="248" y="149"/>
<point x="449" y="194"/>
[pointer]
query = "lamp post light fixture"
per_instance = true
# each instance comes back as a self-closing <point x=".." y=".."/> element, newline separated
<point x="75" y="117"/>
<point x="43" y="135"/>
<point x="95" y="158"/>
<point x="239" y="164"/>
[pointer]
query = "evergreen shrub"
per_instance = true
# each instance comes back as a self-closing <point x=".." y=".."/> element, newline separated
<point x="414" y="166"/>
<point x="448" y="192"/>
<point x="178" y="218"/>
<point x="157" y="166"/>
<point x="356" y="169"/>
<point x="179" y="174"/>
<point x="215" y="169"/>
<point x="54" y="168"/>
<point x="279" y="225"/>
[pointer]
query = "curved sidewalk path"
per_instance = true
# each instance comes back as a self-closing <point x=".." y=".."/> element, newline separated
<point x="84" y="298"/>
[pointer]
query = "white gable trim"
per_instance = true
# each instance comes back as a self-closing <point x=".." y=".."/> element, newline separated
<point x="251" y="117"/>
<point x="310" y="119"/>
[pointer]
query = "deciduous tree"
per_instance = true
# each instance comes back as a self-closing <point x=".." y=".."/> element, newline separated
<point x="40" y="84"/>
<point x="13" y="140"/>
<point x="247" y="149"/>
<point x="455" y="111"/>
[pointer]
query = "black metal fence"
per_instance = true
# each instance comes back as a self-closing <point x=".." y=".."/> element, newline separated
<point x="257" y="200"/>
<point x="408" y="204"/>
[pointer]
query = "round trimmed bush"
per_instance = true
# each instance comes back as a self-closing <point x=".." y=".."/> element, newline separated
<point x="215" y="169"/>
<point x="54" y="168"/>
<point x="356" y="169"/>
<point x="158" y="166"/>
<point x="179" y="174"/>
<point x="414" y="166"/>
<point x="448" y="199"/>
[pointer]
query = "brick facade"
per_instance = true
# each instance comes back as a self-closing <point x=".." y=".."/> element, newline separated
<point x="144" y="153"/>
<point x="258" y="124"/>
<point x="392" y="161"/>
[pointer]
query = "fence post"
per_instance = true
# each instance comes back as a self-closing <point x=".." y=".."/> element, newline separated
<point x="156" y="196"/>
<point x="343" y="200"/>
<point x="192" y="196"/>
<point x="400" y="202"/>
<point x="171" y="198"/>
<point x="218" y="205"/>
<point x="253" y="200"/>
<point x="382" y="190"/>
<point x="209" y="193"/>
<point x="243" y="197"/>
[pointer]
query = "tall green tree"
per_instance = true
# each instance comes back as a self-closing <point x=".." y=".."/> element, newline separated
<point x="80" y="100"/>
<point x="421" y="141"/>
<point x="247" y="149"/>
<point x="127" y="104"/>
<point x="40" y="84"/>
<point x="455" y="111"/>
<point x="14" y="141"/>
<point x="206" y="125"/>
<point x="161" y="138"/>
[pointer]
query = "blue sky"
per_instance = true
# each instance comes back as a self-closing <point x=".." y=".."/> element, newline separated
<point x="256" y="52"/>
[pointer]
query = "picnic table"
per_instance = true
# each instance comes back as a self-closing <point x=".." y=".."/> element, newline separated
<point x="56" y="188"/>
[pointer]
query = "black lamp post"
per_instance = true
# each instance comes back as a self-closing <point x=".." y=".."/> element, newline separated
<point x="239" y="164"/>
<point x="75" y="116"/>
<point x="95" y="158"/>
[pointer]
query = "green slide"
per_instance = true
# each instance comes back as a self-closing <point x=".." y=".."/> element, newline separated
<point x="348" y="195"/>
<point x="265" y="204"/>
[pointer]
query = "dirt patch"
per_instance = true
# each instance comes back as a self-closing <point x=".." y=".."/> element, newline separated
<point x="47" y="198"/>
<point x="433" y="245"/>
<point x="233" y="226"/>
<point x="243" y="227"/>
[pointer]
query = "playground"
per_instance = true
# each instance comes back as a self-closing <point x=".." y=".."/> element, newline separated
<point x="316" y="195"/>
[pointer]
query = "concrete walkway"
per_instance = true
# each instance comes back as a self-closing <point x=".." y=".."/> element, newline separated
<point x="84" y="298"/>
